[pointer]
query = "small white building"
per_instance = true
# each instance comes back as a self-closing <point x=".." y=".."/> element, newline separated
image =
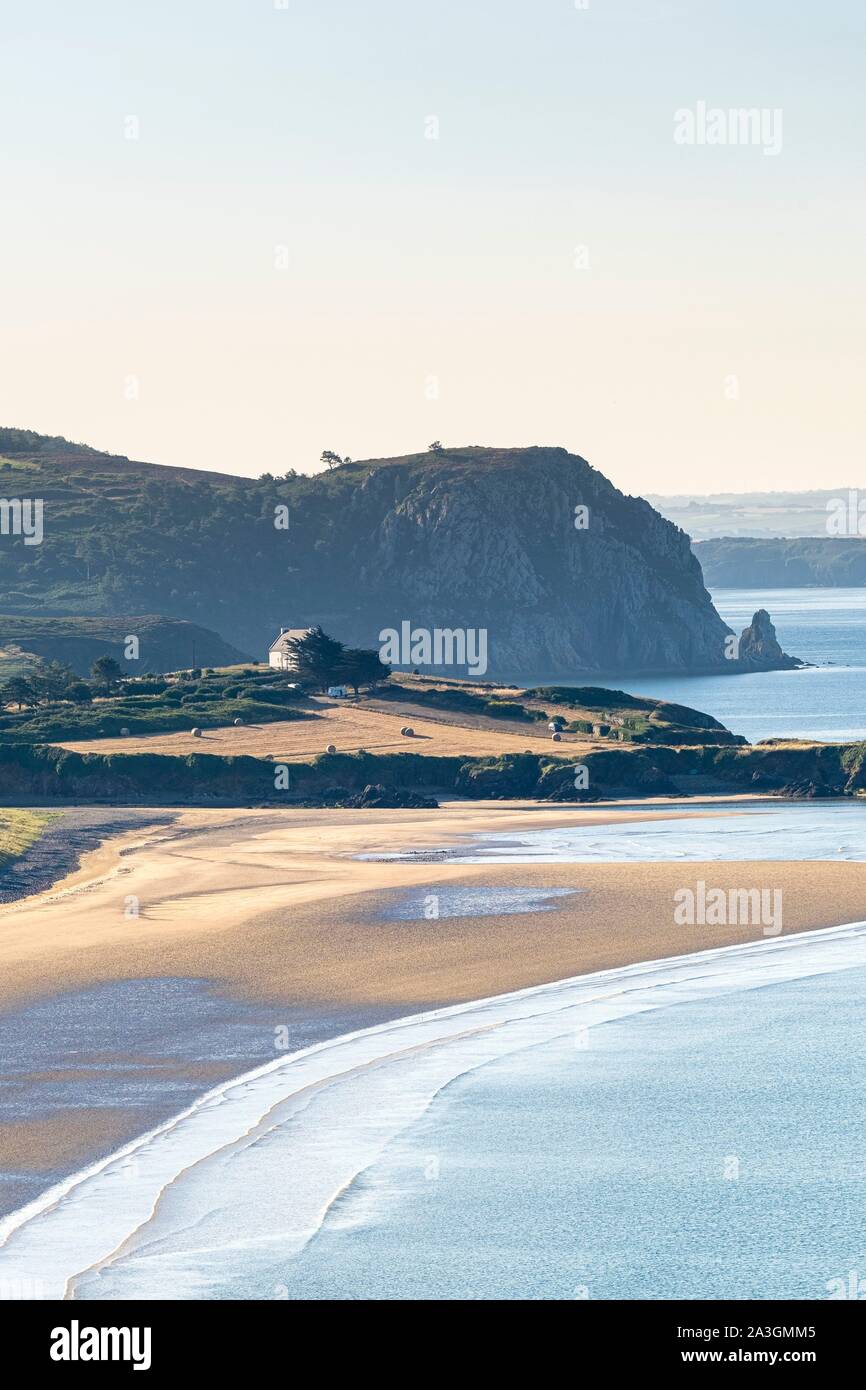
<point x="280" y="654"/>
<point x="338" y="692"/>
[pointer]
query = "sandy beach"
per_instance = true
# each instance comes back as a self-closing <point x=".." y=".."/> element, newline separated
<point x="276" y="907"/>
<point x="178" y="950"/>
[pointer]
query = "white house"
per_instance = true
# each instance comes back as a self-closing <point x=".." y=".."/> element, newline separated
<point x="280" y="653"/>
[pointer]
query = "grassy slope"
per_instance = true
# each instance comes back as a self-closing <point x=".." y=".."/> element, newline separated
<point x="609" y="714"/>
<point x="210" y="701"/>
<point x="19" y="829"/>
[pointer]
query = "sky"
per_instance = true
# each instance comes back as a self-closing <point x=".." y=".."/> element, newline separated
<point x="238" y="232"/>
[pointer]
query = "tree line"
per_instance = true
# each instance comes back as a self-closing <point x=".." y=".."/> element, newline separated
<point x="321" y="661"/>
<point x="50" y="681"/>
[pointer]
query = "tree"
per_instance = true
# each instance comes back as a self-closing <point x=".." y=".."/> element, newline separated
<point x="318" y="657"/>
<point x="106" y="672"/>
<point x="49" y="680"/>
<point x="330" y="458"/>
<point x="18" y="691"/>
<point x="435" y="447"/>
<point x="78" y="692"/>
<point x="363" y="667"/>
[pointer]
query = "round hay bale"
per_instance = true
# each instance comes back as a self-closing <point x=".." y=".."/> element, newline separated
<point x="331" y="748"/>
<point x="196" y="733"/>
<point x="238" y="722"/>
<point x="409" y="733"/>
<point x="556" y="738"/>
<point x="124" y="733"/>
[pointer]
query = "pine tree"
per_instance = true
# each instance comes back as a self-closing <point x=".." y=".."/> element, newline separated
<point x="318" y="657"/>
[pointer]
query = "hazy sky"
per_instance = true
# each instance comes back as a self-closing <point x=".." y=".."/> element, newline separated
<point x="285" y="261"/>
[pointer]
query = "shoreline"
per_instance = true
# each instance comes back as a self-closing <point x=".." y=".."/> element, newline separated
<point x="237" y="897"/>
<point x="274" y="912"/>
<point x="61" y="1252"/>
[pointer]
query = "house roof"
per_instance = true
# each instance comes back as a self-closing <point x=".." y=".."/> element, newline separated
<point x="280" y="643"/>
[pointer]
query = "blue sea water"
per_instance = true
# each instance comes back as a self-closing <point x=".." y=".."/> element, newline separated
<point x="701" y="831"/>
<point x="827" y="701"/>
<point x="688" y="1128"/>
<point x="708" y="1151"/>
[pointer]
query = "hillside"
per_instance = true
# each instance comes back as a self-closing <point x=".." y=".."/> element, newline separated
<point x="469" y="538"/>
<point x="486" y="538"/>
<point x="165" y="644"/>
<point x="745" y="562"/>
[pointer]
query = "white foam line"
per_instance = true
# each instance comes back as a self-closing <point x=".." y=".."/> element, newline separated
<point x="91" y="1226"/>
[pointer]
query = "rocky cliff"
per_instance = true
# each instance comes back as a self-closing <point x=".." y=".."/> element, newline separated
<point x="562" y="573"/>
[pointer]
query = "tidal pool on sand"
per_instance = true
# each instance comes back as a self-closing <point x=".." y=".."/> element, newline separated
<point x="444" y="903"/>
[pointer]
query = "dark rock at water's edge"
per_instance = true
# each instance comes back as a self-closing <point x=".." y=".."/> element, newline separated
<point x="393" y="798"/>
<point x="759" y="648"/>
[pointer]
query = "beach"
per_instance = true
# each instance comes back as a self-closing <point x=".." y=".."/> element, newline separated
<point x="276" y="906"/>
<point x="192" y="945"/>
<point x="376" y="1164"/>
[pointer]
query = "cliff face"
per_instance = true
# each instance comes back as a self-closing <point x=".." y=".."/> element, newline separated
<point x="471" y="538"/>
<point x="484" y="538"/>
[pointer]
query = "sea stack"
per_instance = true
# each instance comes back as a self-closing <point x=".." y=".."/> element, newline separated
<point x="759" y="647"/>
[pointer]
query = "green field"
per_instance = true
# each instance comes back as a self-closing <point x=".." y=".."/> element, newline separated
<point x="20" y="829"/>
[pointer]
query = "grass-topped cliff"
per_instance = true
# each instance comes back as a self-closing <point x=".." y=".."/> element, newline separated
<point x="40" y="775"/>
<point x="469" y="537"/>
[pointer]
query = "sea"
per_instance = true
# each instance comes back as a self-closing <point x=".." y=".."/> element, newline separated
<point x="825" y="701"/>
<point x="685" y="1128"/>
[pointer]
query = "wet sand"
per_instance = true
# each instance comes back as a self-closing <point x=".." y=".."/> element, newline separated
<point x="275" y="907"/>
